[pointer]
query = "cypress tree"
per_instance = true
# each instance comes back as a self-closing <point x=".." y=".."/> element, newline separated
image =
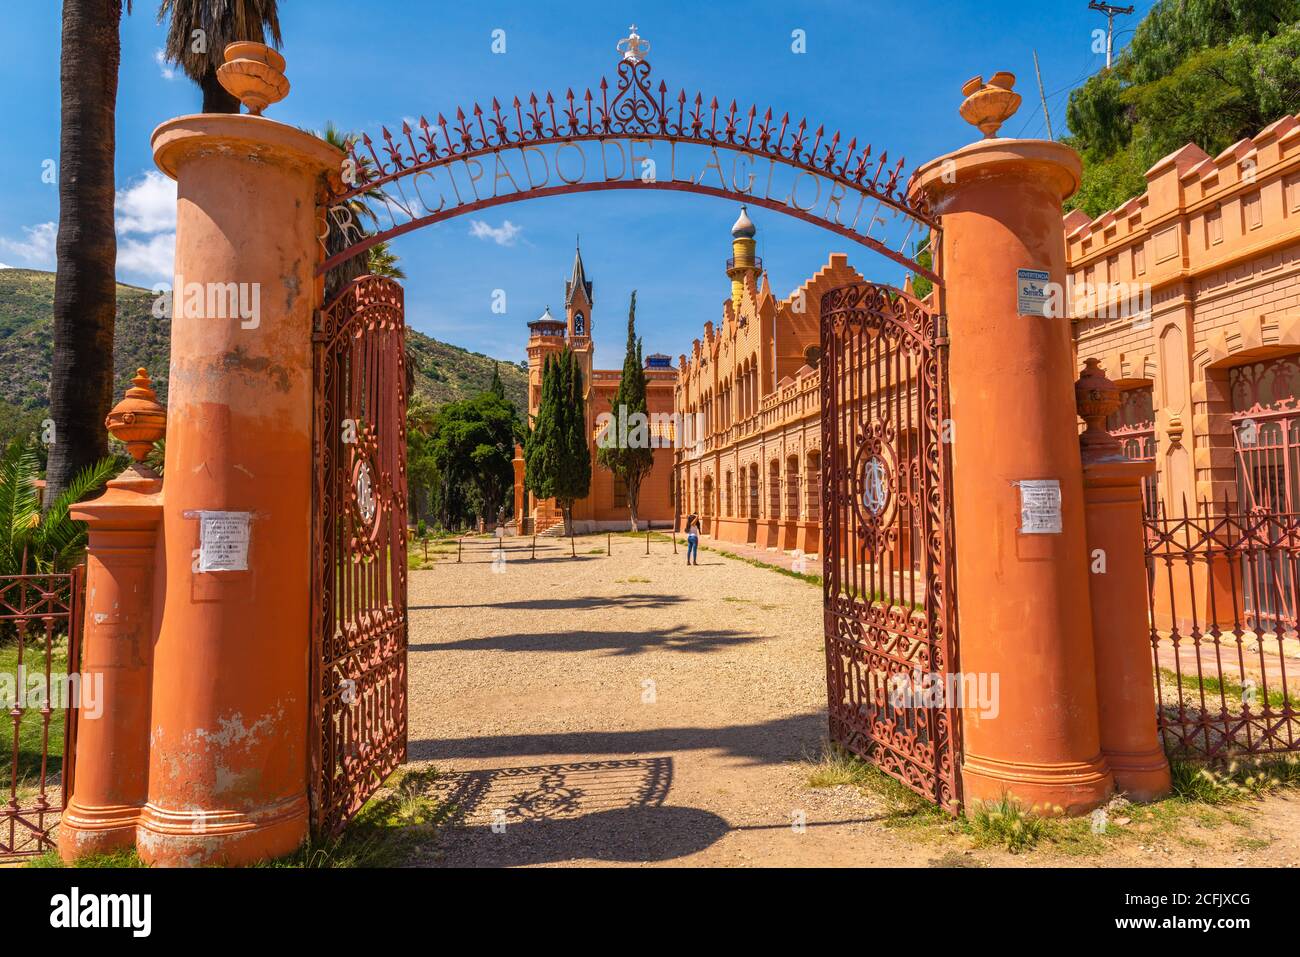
<point x="557" y="459"/>
<point x="626" y="450"/>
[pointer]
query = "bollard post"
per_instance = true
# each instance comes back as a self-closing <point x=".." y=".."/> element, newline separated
<point x="609" y="547"/>
<point x="458" y="542"/>
<point x="534" y="547"/>
<point x="647" y="538"/>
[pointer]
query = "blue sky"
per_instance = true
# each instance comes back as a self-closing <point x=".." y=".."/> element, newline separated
<point x="888" y="73"/>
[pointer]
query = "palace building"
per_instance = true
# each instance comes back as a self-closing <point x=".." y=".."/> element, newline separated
<point x="754" y="475"/>
<point x="1188" y="296"/>
<point x="606" y="506"/>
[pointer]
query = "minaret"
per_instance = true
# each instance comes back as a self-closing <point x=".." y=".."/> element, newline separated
<point x="743" y="262"/>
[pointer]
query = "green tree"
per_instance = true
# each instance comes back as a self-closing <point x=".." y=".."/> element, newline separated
<point x="472" y="446"/>
<point x="1209" y="72"/>
<point x="626" y="451"/>
<point x="557" y="460"/>
<point x="199" y="32"/>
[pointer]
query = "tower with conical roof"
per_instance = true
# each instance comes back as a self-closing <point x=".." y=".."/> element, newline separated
<point x="578" y="301"/>
<point x="743" y="262"/>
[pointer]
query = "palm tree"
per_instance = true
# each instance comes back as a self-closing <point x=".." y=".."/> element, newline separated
<point x="85" y="290"/>
<point x="28" y="539"/>
<point x="383" y="262"/>
<point x="223" y="22"/>
<point x="380" y="261"/>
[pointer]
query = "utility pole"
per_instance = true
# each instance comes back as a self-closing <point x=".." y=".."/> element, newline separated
<point x="1111" y="12"/>
<point x="1042" y="96"/>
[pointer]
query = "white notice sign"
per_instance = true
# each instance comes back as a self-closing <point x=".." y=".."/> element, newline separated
<point x="1040" y="507"/>
<point x="1031" y="292"/>
<point x="223" y="541"/>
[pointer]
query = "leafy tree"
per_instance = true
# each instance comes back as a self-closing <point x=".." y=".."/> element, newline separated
<point x="222" y="22"/>
<point x="85" y="288"/>
<point x="32" y="541"/>
<point x="1208" y="72"/>
<point x="557" y="460"/>
<point x="623" y="452"/>
<point x="470" y="447"/>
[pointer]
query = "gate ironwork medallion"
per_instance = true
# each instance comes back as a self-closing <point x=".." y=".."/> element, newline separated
<point x="359" y="578"/>
<point x="890" y="616"/>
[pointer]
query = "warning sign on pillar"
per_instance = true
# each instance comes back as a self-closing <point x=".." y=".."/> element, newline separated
<point x="223" y="541"/>
<point x="1040" y="506"/>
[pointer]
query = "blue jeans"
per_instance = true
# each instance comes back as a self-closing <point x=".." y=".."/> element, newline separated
<point x="692" y="548"/>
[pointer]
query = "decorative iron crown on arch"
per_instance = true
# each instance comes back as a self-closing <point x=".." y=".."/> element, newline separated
<point x="633" y="109"/>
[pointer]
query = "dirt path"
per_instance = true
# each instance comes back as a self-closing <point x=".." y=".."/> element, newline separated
<point x="632" y="710"/>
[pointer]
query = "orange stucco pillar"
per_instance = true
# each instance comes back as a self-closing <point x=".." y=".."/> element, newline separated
<point x="518" y="464"/>
<point x="1022" y="603"/>
<point x="1121" y="627"/>
<point x="229" y="759"/>
<point x="111" y="773"/>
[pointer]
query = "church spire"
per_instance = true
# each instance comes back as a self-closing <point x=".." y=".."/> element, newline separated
<point x="578" y="280"/>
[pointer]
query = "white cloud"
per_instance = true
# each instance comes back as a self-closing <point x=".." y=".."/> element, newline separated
<point x="5" y="266"/>
<point x="166" y="69"/>
<point x="37" y="250"/>
<point x="147" y="206"/>
<point x="503" y="235"/>
<point x="147" y="261"/>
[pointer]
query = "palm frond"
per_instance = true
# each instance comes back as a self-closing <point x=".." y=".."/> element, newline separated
<point x="58" y="535"/>
<point x="19" y="507"/>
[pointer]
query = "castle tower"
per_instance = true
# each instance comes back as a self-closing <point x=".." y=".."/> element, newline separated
<point x="743" y="262"/>
<point x="546" y="336"/>
<point x="577" y="308"/>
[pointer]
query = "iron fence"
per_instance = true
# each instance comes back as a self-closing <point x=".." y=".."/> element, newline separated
<point x="40" y="644"/>
<point x="1223" y="596"/>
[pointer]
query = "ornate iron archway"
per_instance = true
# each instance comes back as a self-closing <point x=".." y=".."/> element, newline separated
<point x="551" y="146"/>
<point x="891" y="647"/>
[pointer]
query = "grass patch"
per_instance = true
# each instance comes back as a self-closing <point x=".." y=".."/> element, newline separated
<point x="126" y="857"/>
<point x="1238" y="781"/>
<point x="632" y="580"/>
<point x="31" y="726"/>
<point x="1230" y="690"/>
<point x="789" y="573"/>
<point x="401" y="817"/>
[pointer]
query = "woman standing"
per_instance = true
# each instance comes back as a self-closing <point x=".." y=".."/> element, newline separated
<point x="692" y="539"/>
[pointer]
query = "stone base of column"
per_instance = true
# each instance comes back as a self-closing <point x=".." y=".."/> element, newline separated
<point x="199" y="838"/>
<point x="96" y="830"/>
<point x="1141" y="776"/>
<point x="1075" y="787"/>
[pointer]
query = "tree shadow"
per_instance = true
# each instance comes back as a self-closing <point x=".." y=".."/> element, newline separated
<point x="593" y="810"/>
<point x="551" y="604"/>
<point x="634" y="642"/>
<point x="775" y="741"/>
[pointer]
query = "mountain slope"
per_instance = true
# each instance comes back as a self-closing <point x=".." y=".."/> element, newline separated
<point x="443" y="372"/>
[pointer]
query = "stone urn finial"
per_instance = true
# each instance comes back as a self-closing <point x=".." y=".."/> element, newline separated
<point x="254" y="74"/>
<point x="139" y="419"/>
<point x="1096" y="399"/>
<point x="989" y="105"/>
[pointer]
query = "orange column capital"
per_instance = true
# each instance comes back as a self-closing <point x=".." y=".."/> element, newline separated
<point x="1022" y="603"/>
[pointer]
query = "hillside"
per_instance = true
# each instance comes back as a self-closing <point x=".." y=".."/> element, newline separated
<point x="443" y="372"/>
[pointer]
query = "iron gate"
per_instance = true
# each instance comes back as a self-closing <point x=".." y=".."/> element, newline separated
<point x="40" y="646"/>
<point x="889" y="611"/>
<point x="359" y="529"/>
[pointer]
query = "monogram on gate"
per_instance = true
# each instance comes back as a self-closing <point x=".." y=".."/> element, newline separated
<point x="875" y="485"/>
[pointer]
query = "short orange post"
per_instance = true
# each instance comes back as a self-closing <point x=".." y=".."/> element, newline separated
<point x="1121" y="630"/>
<point x="1022" y="603"/>
<point x="111" y="777"/>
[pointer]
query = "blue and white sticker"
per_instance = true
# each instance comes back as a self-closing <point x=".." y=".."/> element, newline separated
<point x="1031" y="292"/>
